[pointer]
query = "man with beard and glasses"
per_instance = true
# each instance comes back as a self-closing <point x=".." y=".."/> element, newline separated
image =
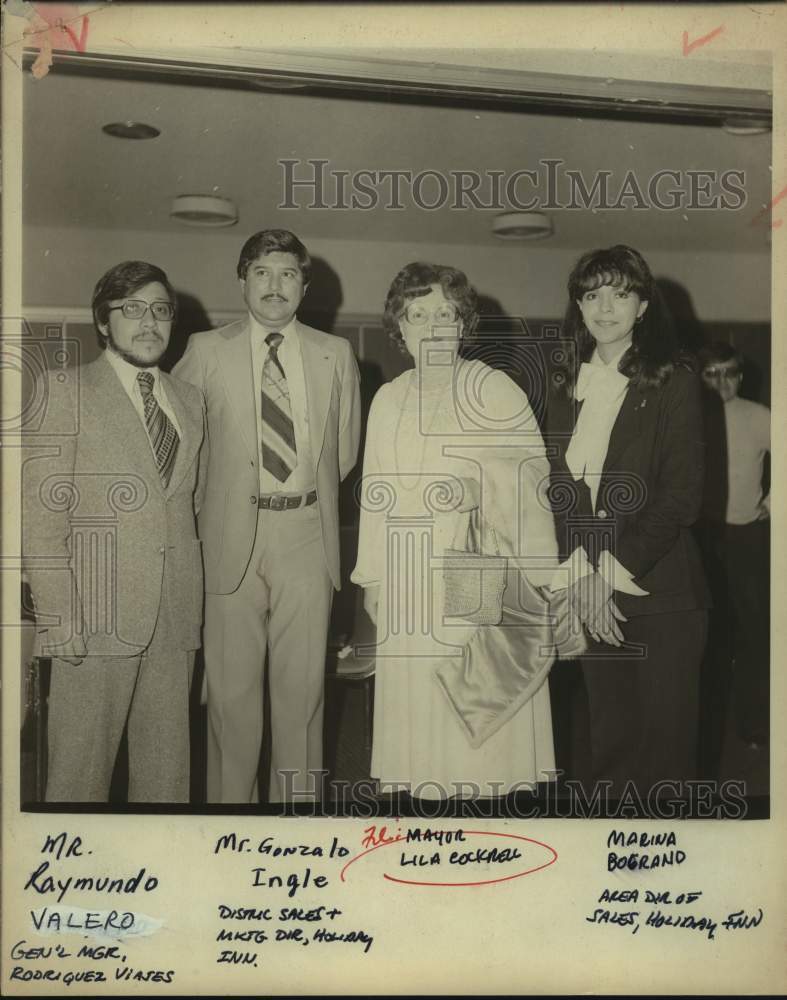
<point x="110" y="482"/>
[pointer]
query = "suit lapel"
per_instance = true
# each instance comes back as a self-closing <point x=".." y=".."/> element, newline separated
<point x="234" y="355"/>
<point x="120" y="421"/>
<point x="626" y="428"/>
<point x="190" y="435"/>
<point x="319" y="362"/>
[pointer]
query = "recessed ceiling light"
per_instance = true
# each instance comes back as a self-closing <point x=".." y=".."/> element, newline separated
<point x="131" y="130"/>
<point x="204" y="210"/>
<point x="522" y="226"/>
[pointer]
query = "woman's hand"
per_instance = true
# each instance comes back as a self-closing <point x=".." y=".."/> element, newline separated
<point x="469" y="490"/>
<point x="371" y="599"/>
<point x="73" y="651"/>
<point x="604" y="627"/>
<point x="591" y="598"/>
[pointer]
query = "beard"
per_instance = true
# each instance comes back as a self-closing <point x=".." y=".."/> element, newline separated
<point x="132" y="357"/>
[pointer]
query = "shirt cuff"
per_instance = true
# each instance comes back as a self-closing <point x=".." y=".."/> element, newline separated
<point x="574" y="568"/>
<point x="617" y="576"/>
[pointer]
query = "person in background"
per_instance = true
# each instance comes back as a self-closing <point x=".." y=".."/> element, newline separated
<point x="110" y="484"/>
<point x="283" y="408"/>
<point x="632" y="471"/>
<point x="737" y="521"/>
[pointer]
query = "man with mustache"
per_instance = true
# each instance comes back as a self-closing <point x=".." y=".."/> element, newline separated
<point x="110" y="481"/>
<point x="283" y="423"/>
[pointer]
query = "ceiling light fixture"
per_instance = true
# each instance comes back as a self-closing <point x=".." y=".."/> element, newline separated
<point x="131" y="130"/>
<point x="522" y="226"/>
<point x="203" y="210"/>
<point x="746" y="126"/>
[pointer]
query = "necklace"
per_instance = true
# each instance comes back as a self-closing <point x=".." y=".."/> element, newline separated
<point x="438" y="397"/>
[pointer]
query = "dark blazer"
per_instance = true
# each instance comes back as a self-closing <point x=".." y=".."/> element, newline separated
<point x="649" y="495"/>
<point x="101" y="537"/>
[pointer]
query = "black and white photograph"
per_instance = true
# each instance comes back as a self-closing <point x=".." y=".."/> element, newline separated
<point x="388" y="496"/>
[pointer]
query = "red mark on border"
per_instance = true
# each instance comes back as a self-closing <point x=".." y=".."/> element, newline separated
<point x="60" y="17"/>
<point x="51" y="28"/>
<point x="769" y="208"/>
<point x="79" y="43"/>
<point x="457" y="846"/>
<point x="691" y="46"/>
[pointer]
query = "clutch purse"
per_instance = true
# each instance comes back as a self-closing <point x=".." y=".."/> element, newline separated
<point x="474" y="582"/>
<point x="568" y="635"/>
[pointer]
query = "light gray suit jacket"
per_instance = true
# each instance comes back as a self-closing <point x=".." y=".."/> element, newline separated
<point x="219" y="363"/>
<point x="101" y="537"/>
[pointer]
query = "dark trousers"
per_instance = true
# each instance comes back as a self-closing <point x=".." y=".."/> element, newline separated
<point x="644" y="702"/>
<point x="746" y="553"/>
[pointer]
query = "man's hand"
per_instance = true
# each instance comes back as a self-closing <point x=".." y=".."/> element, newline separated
<point x="72" y="651"/>
<point x="371" y="599"/>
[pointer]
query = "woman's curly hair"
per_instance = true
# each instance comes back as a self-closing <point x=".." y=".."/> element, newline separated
<point x="415" y="280"/>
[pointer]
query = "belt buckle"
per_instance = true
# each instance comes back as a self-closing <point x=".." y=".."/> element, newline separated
<point x="278" y="502"/>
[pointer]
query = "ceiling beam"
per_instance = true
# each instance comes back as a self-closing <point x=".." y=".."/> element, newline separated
<point x="316" y="74"/>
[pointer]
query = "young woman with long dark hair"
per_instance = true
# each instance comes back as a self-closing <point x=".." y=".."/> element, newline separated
<point x="626" y="487"/>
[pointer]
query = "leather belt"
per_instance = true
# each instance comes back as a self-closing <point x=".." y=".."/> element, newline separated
<point x="280" y="501"/>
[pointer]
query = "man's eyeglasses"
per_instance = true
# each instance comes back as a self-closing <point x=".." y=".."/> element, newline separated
<point x="726" y="373"/>
<point x="136" y="309"/>
<point x="444" y="315"/>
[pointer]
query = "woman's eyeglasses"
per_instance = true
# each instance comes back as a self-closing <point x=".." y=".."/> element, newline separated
<point x="136" y="309"/>
<point x="444" y="315"/>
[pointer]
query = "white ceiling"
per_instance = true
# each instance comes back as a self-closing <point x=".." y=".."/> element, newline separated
<point x="228" y="141"/>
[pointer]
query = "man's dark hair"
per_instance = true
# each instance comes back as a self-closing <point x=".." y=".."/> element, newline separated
<point x="719" y="352"/>
<point x="120" y="282"/>
<point x="274" y="241"/>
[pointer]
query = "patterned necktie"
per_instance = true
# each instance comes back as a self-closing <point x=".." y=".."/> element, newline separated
<point x="163" y="435"/>
<point x="279" y="456"/>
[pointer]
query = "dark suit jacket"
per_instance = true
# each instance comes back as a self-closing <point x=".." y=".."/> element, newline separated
<point x="649" y="495"/>
<point x="101" y="537"/>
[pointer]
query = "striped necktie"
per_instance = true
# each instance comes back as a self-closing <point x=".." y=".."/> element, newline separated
<point x="163" y="435"/>
<point x="279" y="455"/>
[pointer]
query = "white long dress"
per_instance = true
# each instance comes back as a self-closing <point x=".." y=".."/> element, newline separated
<point x="412" y="440"/>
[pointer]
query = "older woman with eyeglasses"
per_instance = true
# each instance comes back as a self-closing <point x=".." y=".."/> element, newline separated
<point x="449" y="441"/>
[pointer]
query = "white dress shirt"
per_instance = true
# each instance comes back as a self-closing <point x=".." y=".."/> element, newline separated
<point x="602" y="388"/>
<point x="127" y="373"/>
<point x="748" y="441"/>
<point x="302" y="477"/>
